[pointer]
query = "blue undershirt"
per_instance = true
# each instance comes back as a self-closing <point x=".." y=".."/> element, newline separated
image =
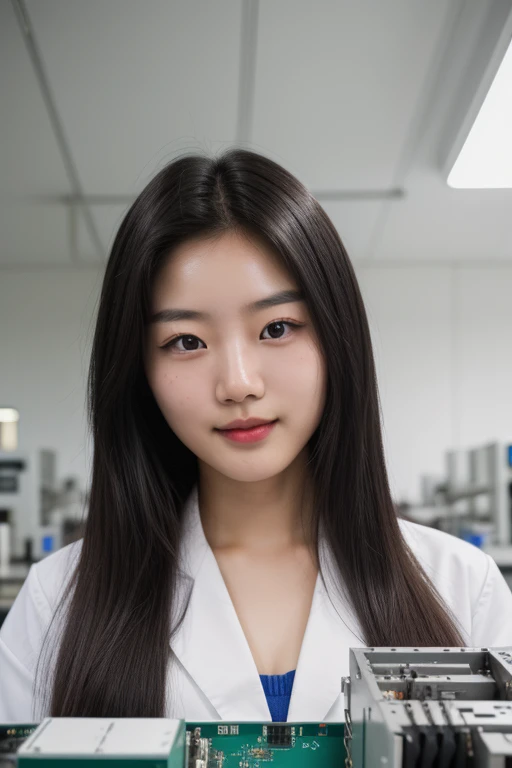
<point x="278" y="689"/>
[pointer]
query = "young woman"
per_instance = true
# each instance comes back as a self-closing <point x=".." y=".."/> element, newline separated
<point x="225" y="566"/>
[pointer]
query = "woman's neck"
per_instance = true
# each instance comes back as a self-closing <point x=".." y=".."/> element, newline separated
<point x="268" y="515"/>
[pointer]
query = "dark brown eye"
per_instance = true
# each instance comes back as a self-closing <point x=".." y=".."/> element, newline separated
<point x="276" y="330"/>
<point x="278" y="326"/>
<point x="188" y="343"/>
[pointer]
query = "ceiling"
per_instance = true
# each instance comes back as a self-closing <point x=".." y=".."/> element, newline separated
<point x="363" y="101"/>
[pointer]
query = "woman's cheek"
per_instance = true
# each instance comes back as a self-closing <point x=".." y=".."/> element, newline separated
<point x="300" y="375"/>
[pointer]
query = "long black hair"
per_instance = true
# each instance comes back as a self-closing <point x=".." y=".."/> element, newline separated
<point x="114" y="651"/>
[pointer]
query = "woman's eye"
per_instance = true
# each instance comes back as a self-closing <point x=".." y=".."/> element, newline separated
<point x="279" y="324"/>
<point x="189" y="341"/>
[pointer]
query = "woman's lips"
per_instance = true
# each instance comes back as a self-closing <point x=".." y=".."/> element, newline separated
<point x="255" y="434"/>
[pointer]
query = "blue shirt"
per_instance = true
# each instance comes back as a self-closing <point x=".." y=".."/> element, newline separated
<point x="278" y="689"/>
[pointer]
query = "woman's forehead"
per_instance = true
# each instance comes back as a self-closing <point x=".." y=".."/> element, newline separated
<point x="229" y="263"/>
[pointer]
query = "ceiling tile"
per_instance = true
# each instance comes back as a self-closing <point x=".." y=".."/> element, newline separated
<point x="136" y="83"/>
<point x="355" y="222"/>
<point x="338" y="85"/>
<point x="30" y="162"/>
<point x="33" y="234"/>
<point x="107" y="219"/>
<point x="437" y="223"/>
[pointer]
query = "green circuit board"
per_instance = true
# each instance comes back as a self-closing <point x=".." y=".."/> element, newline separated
<point x="12" y="736"/>
<point x="239" y="745"/>
<point x="266" y="745"/>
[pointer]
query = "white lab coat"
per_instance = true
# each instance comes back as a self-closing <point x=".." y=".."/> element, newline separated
<point x="214" y="676"/>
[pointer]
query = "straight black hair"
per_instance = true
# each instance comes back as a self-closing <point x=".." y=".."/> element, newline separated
<point x="115" y="645"/>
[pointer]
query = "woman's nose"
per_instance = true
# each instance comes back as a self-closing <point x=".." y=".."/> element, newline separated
<point x="239" y="374"/>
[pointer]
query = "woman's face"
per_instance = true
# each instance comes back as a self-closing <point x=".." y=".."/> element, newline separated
<point x="234" y="362"/>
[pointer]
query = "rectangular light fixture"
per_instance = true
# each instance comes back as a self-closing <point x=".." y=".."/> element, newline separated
<point x="485" y="160"/>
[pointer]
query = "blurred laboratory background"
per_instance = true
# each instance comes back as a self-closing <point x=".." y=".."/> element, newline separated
<point x="397" y="115"/>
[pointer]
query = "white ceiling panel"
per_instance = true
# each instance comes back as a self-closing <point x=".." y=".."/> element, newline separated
<point x="338" y="85"/>
<point x="348" y="96"/>
<point x="437" y="223"/>
<point x="355" y="222"/>
<point x="505" y="244"/>
<point x="137" y="82"/>
<point x="107" y="219"/>
<point x="33" y="234"/>
<point x="30" y="163"/>
<point x="83" y="246"/>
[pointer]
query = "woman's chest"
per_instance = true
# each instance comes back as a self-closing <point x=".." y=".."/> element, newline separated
<point x="272" y="597"/>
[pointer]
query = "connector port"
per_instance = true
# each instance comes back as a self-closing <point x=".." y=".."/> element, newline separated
<point x="279" y="735"/>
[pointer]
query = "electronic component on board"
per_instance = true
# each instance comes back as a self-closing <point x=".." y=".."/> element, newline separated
<point x="265" y="745"/>
<point x="279" y="735"/>
<point x="12" y="737"/>
<point x="197" y="750"/>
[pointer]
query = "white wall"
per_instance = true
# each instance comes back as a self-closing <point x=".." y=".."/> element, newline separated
<point x="441" y="338"/>
<point x="46" y="332"/>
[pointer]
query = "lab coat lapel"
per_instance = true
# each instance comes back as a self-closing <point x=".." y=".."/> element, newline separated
<point x="211" y="643"/>
<point x="324" y="655"/>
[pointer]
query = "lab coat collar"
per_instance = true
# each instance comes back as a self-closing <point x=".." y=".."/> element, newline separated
<point x="212" y="647"/>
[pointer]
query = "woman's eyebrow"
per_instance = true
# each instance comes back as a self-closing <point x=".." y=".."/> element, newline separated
<point x="282" y="297"/>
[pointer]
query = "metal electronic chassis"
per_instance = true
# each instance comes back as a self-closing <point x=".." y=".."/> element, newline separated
<point x="429" y="708"/>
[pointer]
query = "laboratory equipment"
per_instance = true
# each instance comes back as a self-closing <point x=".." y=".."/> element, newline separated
<point x="28" y="490"/>
<point x="481" y="478"/>
<point x="473" y="500"/>
<point x="404" y="708"/>
<point x="5" y="540"/>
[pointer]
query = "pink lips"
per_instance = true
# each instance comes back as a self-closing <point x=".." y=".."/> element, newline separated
<point x="255" y="434"/>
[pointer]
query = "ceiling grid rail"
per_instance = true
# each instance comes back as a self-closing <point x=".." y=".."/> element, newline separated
<point x="77" y="200"/>
<point x="247" y="78"/>
<point x="420" y="120"/>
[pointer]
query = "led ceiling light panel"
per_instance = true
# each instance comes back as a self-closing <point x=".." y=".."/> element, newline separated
<point x="485" y="160"/>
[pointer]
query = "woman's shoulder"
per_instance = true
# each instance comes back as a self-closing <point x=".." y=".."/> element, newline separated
<point x="49" y="577"/>
<point x="448" y="560"/>
<point x="24" y="629"/>
<point x="468" y="580"/>
<point x="433" y="544"/>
